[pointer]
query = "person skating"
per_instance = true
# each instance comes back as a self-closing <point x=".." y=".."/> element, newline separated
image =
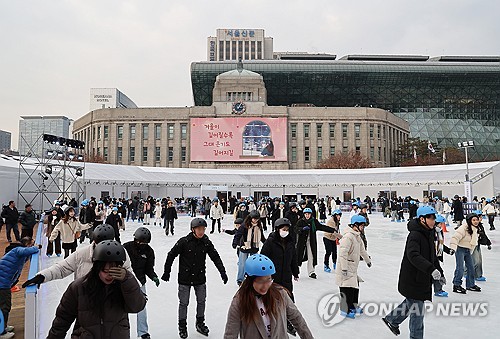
<point x="116" y="221"/>
<point x="142" y="257"/>
<point x="216" y="214"/>
<point x="27" y="219"/>
<point x="463" y="242"/>
<point x="351" y="249"/>
<point x="101" y="300"/>
<point x="490" y="211"/>
<point x="69" y="228"/>
<point x="441" y="248"/>
<point x="261" y="308"/>
<point x="242" y="212"/>
<point x="80" y="262"/>
<point x="192" y="251"/>
<point x="248" y="239"/>
<point x="293" y="215"/>
<point x="11" y="266"/>
<point x="330" y="240"/>
<point x="477" y="257"/>
<point x="170" y="215"/>
<point x="419" y="267"/>
<point x="307" y="248"/>
<point x="158" y="217"/>
<point x="51" y="220"/>
<point x="280" y="248"/>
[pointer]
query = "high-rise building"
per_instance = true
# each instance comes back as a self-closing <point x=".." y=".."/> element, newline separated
<point x="236" y="44"/>
<point x="109" y="98"/>
<point x="31" y="129"/>
<point x="5" y="140"/>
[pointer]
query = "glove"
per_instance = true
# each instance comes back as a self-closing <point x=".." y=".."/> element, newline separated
<point x="118" y="273"/>
<point x="39" y="246"/>
<point x="165" y="276"/>
<point x="306" y="228"/>
<point x="156" y="281"/>
<point x="369" y="264"/>
<point x="436" y="275"/>
<point x="36" y="280"/>
<point x="489" y="247"/>
<point x="344" y="273"/>
<point x="223" y="275"/>
<point x="442" y="280"/>
<point x="452" y="251"/>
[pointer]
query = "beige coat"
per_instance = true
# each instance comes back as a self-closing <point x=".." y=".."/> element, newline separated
<point x="462" y="238"/>
<point x="69" y="231"/>
<point x="350" y="249"/>
<point x="332" y="236"/>
<point x="255" y="330"/>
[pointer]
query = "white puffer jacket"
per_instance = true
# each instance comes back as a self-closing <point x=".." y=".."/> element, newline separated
<point x="462" y="238"/>
<point x="216" y="212"/>
<point x="489" y="209"/>
<point x="78" y="262"/>
<point x="69" y="231"/>
<point x="350" y="249"/>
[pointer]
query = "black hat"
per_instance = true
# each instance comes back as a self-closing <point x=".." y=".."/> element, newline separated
<point x="282" y="222"/>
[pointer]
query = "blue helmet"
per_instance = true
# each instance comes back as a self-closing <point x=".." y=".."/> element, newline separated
<point x="478" y="212"/>
<point x="85" y="202"/>
<point x="440" y="218"/>
<point x="215" y="199"/>
<point x="358" y="219"/>
<point x="355" y="204"/>
<point x="425" y="210"/>
<point x="488" y="200"/>
<point x="115" y="209"/>
<point x="258" y="265"/>
<point x="307" y="210"/>
<point x="337" y="211"/>
<point x="412" y="202"/>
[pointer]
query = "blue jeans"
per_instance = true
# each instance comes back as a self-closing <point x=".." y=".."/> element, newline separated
<point x="241" y="266"/>
<point x="142" y="317"/>
<point x="413" y="308"/>
<point x="463" y="254"/>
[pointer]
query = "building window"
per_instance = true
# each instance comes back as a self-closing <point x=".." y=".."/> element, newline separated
<point x="344" y="131"/>
<point x="132" y="154"/>
<point x="183" y="153"/>
<point x="170" y="131"/>
<point x="320" y="153"/>
<point x="98" y="151"/>
<point x="306" y="153"/>
<point x="144" y="154"/>
<point x="293" y="128"/>
<point x="332" y="151"/>
<point x="259" y="49"/>
<point x="306" y="130"/>
<point x="119" y="132"/>
<point x="99" y="133"/>
<point x="170" y="154"/>
<point x="157" y="153"/>
<point x="319" y="130"/>
<point x="105" y="153"/>
<point x="132" y="132"/>
<point x="332" y="131"/>
<point x="357" y="131"/>
<point x="157" y="131"/>
<point x="93" y="134"/>
<point x="358" y="150"/>
<point x="372" y="152"/>
<point x="106" y="132"/>
<point x="119" y="154"/>
<point x="345" y="149"/>
<point x="371" y="131"/>
<point x="183" y="131"/>
<point x="380" y="154"/>
<point x="145" y="132"/>
<point x="378" y="131"/>
<point x="294" y="153"/>
<point x="383" y="132"/>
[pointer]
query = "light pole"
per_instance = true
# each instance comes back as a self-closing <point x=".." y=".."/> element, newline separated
<point x="467" y="184"/>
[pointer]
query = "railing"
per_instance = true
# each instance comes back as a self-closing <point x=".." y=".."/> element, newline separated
<point x="31" y="315"/>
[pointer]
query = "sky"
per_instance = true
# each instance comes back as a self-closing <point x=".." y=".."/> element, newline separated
<point x="53" y="52"/>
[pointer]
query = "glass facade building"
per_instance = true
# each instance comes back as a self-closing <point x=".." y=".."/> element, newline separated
<point x="445" y="100"/>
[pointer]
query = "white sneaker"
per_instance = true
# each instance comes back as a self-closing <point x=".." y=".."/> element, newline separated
<point x="7" y="335"/>
<point x="9" y="328"/>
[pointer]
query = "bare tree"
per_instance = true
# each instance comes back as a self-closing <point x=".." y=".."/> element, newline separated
<point x="345" y="161"/>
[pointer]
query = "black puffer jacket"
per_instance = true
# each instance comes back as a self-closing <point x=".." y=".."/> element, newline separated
<point x="11" y="215"/>
<point x="419" y="260"/>
<point x="142" y="258"/>
<point x="282" y="253"/>
<point x="192" y="254"/>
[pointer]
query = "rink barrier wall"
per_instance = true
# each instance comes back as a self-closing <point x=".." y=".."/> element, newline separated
<point x="31" y="310"/>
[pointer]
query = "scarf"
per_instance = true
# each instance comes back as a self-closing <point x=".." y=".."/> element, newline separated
<point x="439" y="241"/>
<point x="254" y="236"/>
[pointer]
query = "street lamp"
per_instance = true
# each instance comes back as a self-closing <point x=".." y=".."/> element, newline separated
<point x="468" y="184"/>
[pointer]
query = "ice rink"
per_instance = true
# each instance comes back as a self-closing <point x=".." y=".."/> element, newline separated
<point x="385" y="245"/>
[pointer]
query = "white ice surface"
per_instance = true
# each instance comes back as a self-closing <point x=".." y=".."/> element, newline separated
<point x="385" y="245"/>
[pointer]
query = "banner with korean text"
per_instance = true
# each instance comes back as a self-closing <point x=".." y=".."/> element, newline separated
<point x="238" y="139"/>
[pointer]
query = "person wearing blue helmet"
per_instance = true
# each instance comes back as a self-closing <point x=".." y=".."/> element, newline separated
<point x="330" y="240"/>
<point x="491" y="212"/>
<point x="412" y="209"/>
<point x="115" y="220"/>
<point x="307" y="248"/>
<point x="86" y="217"/>
<point x="351" y="249"/>
<point x="419" y="267"/>
<point x="441" y="248"/>
<point x="355" y="209"/>
<point x="261" y="307"/>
